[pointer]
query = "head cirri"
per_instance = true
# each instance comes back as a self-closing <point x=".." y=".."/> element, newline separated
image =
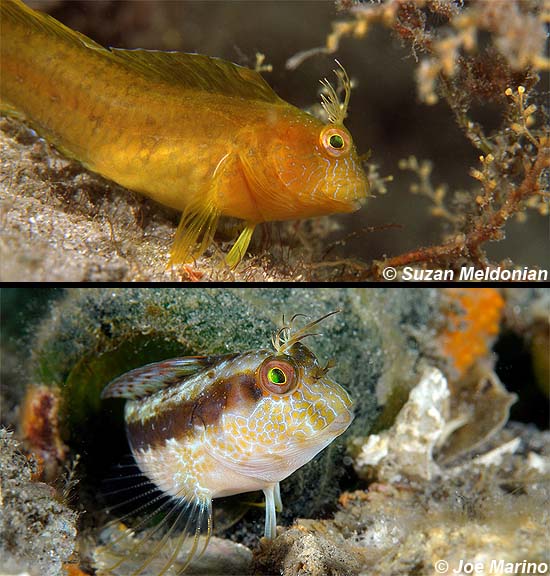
<point x="211" y="426"/>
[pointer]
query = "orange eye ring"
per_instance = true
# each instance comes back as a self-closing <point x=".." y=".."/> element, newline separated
<point x="277" y="376"/>
<point x="335" y="141"/>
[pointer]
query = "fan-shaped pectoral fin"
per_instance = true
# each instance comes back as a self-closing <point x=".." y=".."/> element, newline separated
<point x="195" y="233"/>
<point x="181" y="534"/>
<point x="200" y="218"/>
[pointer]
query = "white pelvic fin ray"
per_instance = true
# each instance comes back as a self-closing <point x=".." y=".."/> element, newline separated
<point x="270" y="515"/>
<point x="278" y="501"/>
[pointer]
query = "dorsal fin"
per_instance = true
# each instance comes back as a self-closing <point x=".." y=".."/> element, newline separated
<point x="198" y="72"/>
<point x="151" y="378"/>
<point x="18" y="12"/>
<point x="192" y="71"/>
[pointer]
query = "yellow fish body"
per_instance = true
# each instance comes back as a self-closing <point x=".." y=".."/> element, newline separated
<point x="206" y="427"/>
<point x="198" y="134"/>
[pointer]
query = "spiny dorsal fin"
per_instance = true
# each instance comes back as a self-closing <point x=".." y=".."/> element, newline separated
<point x="198" y="72"/>
<point x="18" y="12"/>
<point x="192" y="71"/>
<point x="151" y="378"/>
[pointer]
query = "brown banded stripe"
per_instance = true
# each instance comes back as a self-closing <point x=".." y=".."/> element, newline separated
<point x="225" y="394"/>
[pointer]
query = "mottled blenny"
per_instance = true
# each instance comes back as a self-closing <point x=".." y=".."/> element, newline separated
<point x="210" y="426"/>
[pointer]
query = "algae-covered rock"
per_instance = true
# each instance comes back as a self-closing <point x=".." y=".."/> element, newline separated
<point x="492" y="509"/>
<point x="298" y="552"/>
<point x="37" y="530"/>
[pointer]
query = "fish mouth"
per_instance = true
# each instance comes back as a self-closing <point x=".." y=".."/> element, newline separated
<point x="355" y="202"/>
<point x="341" y="423"/>
<point x="346" y="206"/>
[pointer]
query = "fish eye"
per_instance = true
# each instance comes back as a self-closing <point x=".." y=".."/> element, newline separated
<point x="335" y="140"/>
<point x="277" y="376"/>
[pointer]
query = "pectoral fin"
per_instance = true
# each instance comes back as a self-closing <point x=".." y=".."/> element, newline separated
<point x="194" y="234"/>
<point x="199" y="222"/>
<point x="256" y="179"/>
<point x="200" y="219"/>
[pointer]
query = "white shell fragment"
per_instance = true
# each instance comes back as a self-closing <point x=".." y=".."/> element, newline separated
<point x="422" y="424"/>
<point x="427" y="424"/>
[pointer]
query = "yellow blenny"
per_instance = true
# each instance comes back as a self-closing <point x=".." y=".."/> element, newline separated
<point x="205" y="427"/>
<point x="198" y="134"/>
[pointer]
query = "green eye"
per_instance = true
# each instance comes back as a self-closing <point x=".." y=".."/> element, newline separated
<point x="276" y="376"/>
<point x="336" y="141"/>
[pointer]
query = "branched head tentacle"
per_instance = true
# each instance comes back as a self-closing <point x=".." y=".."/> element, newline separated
<point x="322" y="370"/>
<point x="335" y="109"/>
<point x="284" y="338"/>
